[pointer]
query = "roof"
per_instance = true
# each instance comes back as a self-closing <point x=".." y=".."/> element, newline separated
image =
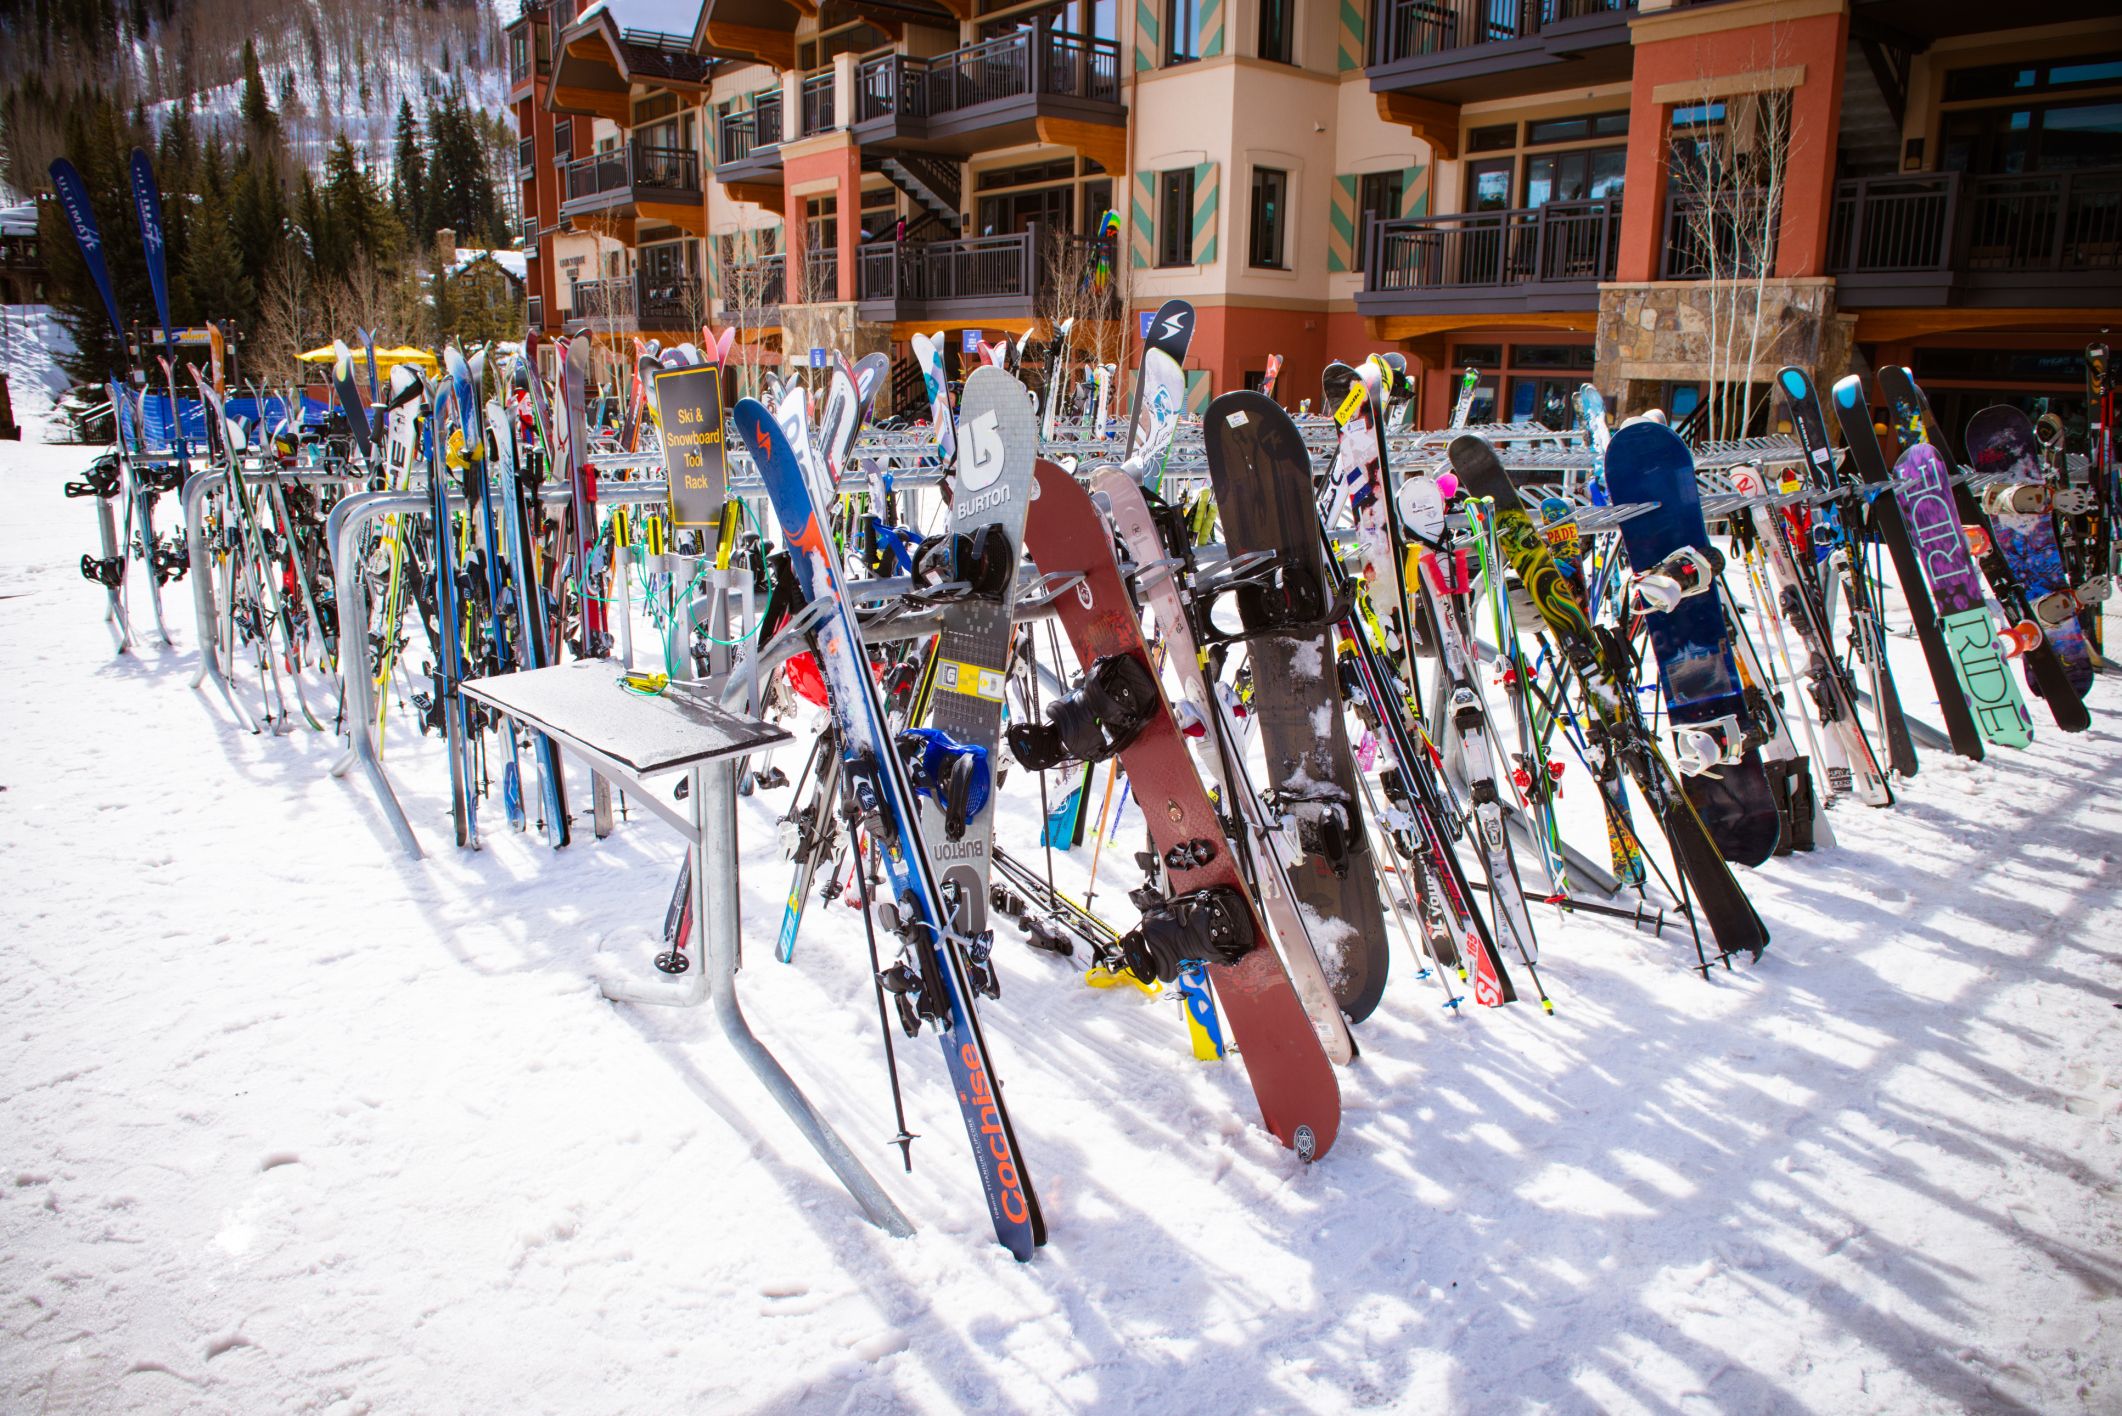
<point x="19" y="219"/>
<point x="511" y="262"/>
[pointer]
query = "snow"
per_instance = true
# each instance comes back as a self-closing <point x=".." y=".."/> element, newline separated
<point x="31" y="342"/>
<point x="19" y="219"/>
<point x="288" y="1122"/>
<point x="512" y="261"/>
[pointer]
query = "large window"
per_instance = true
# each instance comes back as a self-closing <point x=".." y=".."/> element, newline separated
<point x="1547" y="160"/>
<point x="1175" y="218"/>
<point x="2051" y="138"/>
<point x="1378" y="198"/>
<point x="1278" y="31"/>
<point x="1269" y="217"/>
<point x="1182" y="27"/>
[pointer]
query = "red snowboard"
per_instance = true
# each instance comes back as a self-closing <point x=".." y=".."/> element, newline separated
<point x="1299" y="1099"/>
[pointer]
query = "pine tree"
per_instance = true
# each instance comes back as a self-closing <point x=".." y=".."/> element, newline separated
<point x="409" y="181"/>
<point x="257" y="108"/>
<point x="213" y="269"/>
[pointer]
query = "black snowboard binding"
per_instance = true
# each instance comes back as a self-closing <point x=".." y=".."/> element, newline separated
<point x="1792" y="783"/>
<point x="975" y="565"/>
<point x="1105" y="713"/>
<point x="1209" y="925"/>
<point x="951" y="774"/>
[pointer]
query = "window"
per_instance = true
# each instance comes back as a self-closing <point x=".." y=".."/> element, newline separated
<point x="1270" y="202"/>
<point x="1576" y="130"/>
<point x="821" y="223"/>
<point x="1097" y="201"/>
<point x="1378" y="198"/>
<point x="1182" y="24"/>
<point x="1278" y="32"/>
<point x="1494" y="139"/>
<point x="1058" y="171"/>
<point x="2052" y="138"/>
<point x="2013" y="80"/>
<point x="1488" y="184"/>
<point x="1013" y="213"/>
<point x="1175" y="218"/>
<point x="1589" y="174"/>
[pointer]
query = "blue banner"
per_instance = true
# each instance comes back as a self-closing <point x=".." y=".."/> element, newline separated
<point x="73" y="198"/>
<point x="147" y="198"/>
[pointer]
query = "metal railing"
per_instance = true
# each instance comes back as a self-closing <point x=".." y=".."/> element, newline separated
<point x="1410" y="29"/>
<point x="742" y="131"/>
<point x="563" y="139"/>
<point x="672" y="169"/>
<point x="821" y="276"/>
<point x="2041" y="221"/>
<point x="1724" y="235"/>
<point x="817" y="98"/>
<point x="526" y="157"/>
<point x="610" y="300"/>
<point x="1033" y="61"/>
<point x="1562" y="241"/>
<point x="675" y="302"/>
<point x="976" y="268"/>
<point x="758" y="288"/>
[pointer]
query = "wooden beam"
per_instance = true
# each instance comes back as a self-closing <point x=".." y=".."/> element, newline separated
<point x="1433" y="122"/>
<point x="1399" y="327"/>
<point x="1887" y="326"/>
<point x="960" y="9"/>
<point x="1106" y="143"/>
<point x="689" y="217"/>
<point x="605" y="103"/>
<point x="774" y="48"/>
<point x="765" y="194"/>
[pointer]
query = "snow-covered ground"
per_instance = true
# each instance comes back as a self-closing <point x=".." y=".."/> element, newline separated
<point x="291" y="1123"/>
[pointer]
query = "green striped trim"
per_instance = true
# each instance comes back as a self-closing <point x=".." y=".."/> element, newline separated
<point x="1414" y="191"/>
<point x="1200" y="388"/>
<point x="1350" y="46"/>
<point x="1141" y="233"/>
<point x="1341" y="226"/>
<point x="1149" y="37"/>
<point x="1210" y="29"/>
<point x="1205" y="204"/>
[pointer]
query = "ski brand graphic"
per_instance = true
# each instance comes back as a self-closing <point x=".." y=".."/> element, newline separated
<point x="983" y="454"/>
<point x="1005" y="1175"/>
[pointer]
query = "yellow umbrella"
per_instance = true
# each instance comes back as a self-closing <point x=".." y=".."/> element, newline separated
<point x="385" y="358"/>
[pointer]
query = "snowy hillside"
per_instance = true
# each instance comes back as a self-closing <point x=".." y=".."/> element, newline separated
<point x="290" y="1123"/>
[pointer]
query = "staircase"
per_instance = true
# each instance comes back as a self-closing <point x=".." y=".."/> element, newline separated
<point x="931" y="181"/>
<point x="1869" y="144"/>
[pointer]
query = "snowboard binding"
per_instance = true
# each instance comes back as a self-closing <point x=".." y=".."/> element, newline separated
<point x="953" y="775"/>
<point x="107" y="571"/>
<point x="1686" y="572"/>
<point x="1104" y="713"/>
<point x="1700" y="748"/>
<point x="100" y="480"/>
<point x="1209" y="925"/>
<point x="966" y="566"/>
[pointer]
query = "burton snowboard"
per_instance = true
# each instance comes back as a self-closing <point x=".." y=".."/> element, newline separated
<point x="2000" y="442"/>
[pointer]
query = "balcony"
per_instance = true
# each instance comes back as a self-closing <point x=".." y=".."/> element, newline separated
<point x="984" y="277"/>
<point x="752" y="294"/>
<point x="816" y="94"/>
<point x="1945" y="238"/>
<point x="988" y="95"/>
<point x="1456" y="51"/>
<point x="537" y="312"/>
<point x="640" y="303"/>
<point x="1540" y="259"/>
<point x="526" y="159"/>
<point x="636" y="179"/>
<point x="747" y="141"/>
<point x="530" y="233"/>
<point x="563" y="139"/>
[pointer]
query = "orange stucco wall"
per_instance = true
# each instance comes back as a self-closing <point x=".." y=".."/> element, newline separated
<point x="842" y="165"/>
<point x="1818" y="43"/>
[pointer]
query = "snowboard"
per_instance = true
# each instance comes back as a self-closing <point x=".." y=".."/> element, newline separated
<point x="1300" y="1102"/>
<point x="1731" y="917"/>
<point x="2000" y="442"/>
<point x="1965" y="623"/>
<point x="1647" y="462"/>
<point x="2045" y="670"/>
<point x="1853" y="413"/>
<point x="1262" y="476"/>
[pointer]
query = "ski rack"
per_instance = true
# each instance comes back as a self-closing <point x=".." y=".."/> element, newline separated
<point x="203" y="483"/>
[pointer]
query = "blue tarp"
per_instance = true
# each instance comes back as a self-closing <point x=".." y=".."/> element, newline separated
<point x="244" y="410"/>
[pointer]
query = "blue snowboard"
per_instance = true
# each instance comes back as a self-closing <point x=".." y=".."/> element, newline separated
<point x="1647" y="462"/>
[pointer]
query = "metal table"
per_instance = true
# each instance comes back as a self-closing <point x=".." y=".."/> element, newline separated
<point x="648" y="741"/>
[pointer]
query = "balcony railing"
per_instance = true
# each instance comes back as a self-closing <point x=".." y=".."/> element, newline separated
<point x="1410" y="29"/>
<point x="740" y="133"/>
<point x="1720" y="236"/>
<point x="1557" y="243"/>
<point x="821" y="275"/>
<point x="1028" y="62"/>
<point x="754" y="291"/>
<point x="675" y="302"/>
<point x="2034" y="222"/>
<point x="983" y="271"/>
<point x="609" y="301"/>
<point x="670" y="169"/>
<point x="817" y="96"/>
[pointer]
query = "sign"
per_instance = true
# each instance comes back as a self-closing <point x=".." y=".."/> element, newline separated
<point x="971" y="344"/>
<point x="817" y="356"/>
<point x="690" y="404"/>
<point x="1146" y="318"/>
